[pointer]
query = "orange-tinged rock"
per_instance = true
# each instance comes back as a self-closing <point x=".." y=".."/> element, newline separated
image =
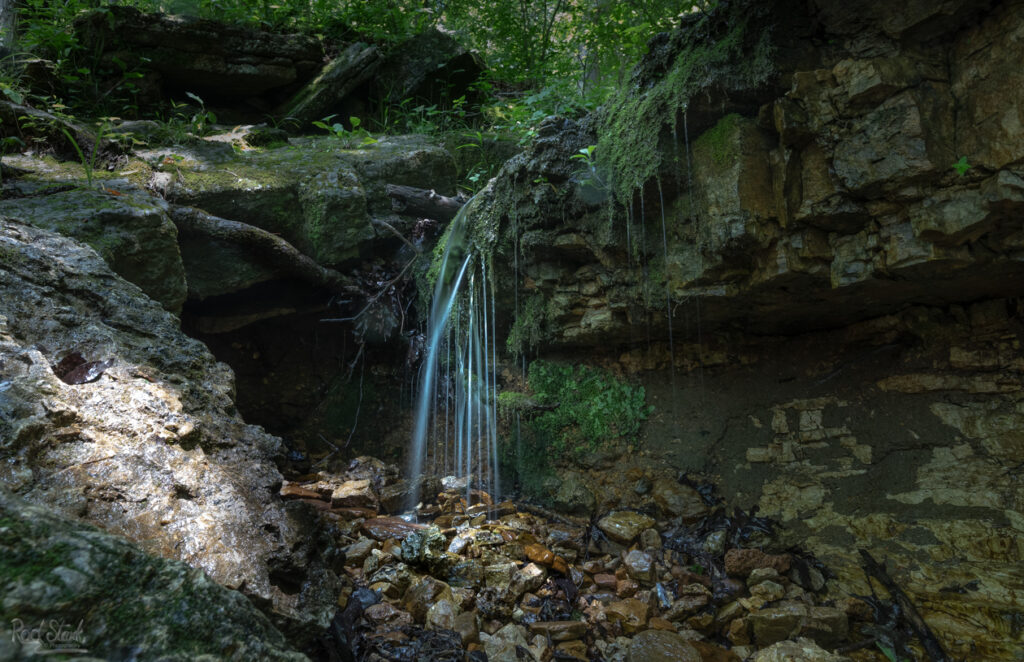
<point x="382" y="528"/>
<point x="293" y="491"/>
<point x="539" y="554"/>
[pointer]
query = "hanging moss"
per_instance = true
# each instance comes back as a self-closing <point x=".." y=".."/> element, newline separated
<point x="740" y="57"/>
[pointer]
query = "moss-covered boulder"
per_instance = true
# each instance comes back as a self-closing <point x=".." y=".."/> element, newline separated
<point x="323" y="195"/>
<point x="128" y="228"/>
<point x="68" y="586"/>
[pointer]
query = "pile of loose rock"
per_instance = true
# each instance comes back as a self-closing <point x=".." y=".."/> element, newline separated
<point x="483" y="579"/>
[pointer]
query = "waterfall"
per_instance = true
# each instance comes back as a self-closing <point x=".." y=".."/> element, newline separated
<point x="462" y="329"/>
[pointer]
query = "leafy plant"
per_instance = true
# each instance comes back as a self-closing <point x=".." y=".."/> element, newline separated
<point x="594" y="407"/>
<point x="961" y="166"/>
<point x="88" y="165"/>
<point x="357" y="137"/>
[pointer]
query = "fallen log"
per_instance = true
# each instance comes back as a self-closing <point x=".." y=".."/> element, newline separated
<point x="423" y="203"/>
<point x="274" y="250"/>
<point x="928" y="640"/>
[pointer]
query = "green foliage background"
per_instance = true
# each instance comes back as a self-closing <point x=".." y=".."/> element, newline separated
<point x="545" y="56"/>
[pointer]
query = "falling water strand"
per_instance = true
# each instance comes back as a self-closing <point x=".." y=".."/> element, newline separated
<point x="646" y="269"/>
<point x="492" y="436"/>
<point x="668" y="305"/>
<point x="439" y="313"/>
<point x="447" y="398"/>
<point x="700" y="253"/>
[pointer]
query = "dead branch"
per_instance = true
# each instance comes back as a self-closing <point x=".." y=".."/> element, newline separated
<point x="423" y="203"/>
<point x="931" y="645"/>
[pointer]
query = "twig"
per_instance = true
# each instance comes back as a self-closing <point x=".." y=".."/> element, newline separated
<point x="395" y="232"/>
<point x="374" y="298"/>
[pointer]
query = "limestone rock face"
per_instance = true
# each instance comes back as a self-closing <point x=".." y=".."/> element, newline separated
<point x="839" y="255"/>
<point x="152" y="448"/>
<point x="826" y="200"/>
<point x="112" y="596"/>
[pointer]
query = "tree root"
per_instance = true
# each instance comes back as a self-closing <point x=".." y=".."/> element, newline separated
<point x="268" y="247"/>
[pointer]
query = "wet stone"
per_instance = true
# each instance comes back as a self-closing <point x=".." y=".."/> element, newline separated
<point x="441" y="615"/>
<point x="559" y="630"/>
<point x="777" y="623"/>
<point x="741" y="562"/>
<point x="631" y="613"/>
<point x="640" y="566"/>
<point x="420" y="596"/>
<point x="624" y="526"/>
<point x="661" y="646"/>
<point x="676" y="500"/>
<point x="466" y="625"/>
<point x="529" y="578"/>
<point x="354" y="493"/>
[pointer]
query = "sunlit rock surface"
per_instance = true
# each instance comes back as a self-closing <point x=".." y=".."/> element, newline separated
<point x="152" y="449"/>
<point x="110" y="600"/>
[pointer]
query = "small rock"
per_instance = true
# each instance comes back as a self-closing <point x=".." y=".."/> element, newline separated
<point x="692" y="598"/>
<point x="777" y="623"/>
<point x="624" y="526"/>
<point x="632" y="613"/>
<point x="357" y="552"/>
<point x="661" y="646"/>
<point x="507" y="644"/>
<point x="539" y="554"/>
<point x="354" y="493"/>
<point x="758" y="575"/>
<point x="382" y="528"/>
<point x="626" y="588"/>
<point x="826" y="626"/>
<point x="639" y="565"/>
<point x="741" y="562"/>
<point x="441" y="615"/>
<point x="576" y="650"/>
<point x="714" y="544"/>
<point x="529" y="578"/>
<point x="383" y="615"/>
<point x="739" y="632"/>
<point x="559" y="630"/>
<point x="295" y="491"/>
<point x="422" y="595"/>
<point x="467" y="627"/>
<point x="797" y="651"/>
<point x="676" y="500"/>
<point x="768" y="591"/>
<point x="500" y="575"/>
<point x="605" y="581"/>
<point x="650" y="539"/>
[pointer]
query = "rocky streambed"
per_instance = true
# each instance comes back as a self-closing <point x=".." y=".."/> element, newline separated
<point x="467" y="578"/>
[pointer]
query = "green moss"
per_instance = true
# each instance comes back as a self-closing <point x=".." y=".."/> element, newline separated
<point x="528" y="327"/>
<point x="719" y="141"/>
<point x="631" y="127"/>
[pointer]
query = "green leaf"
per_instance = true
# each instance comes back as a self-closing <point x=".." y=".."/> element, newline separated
<point x="195" y="98"/>
<point x="13" y="95"/>
<point x="962" y="166"/>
